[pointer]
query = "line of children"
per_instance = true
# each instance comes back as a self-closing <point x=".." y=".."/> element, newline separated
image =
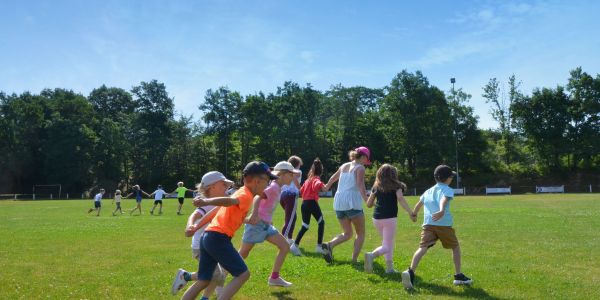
<point x="215" y="246"/>
<point x="310" y="206"/>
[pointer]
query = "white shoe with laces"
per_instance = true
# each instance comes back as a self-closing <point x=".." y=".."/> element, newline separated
<point x="319" y="249"/>
<point x="179" y="282"/>
<point x="295" y="250"/>
<point x="279" y="282"/>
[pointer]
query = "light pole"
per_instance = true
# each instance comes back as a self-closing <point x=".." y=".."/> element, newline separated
<point x="453" y="80"/>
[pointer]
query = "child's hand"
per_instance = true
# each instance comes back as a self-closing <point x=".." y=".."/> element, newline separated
<point x="190" y="230"/>
<point x="252" y="219"/>
<point x="199" y="202"/>
<point x="438" y="215"/>
<point x="413" y="217"/>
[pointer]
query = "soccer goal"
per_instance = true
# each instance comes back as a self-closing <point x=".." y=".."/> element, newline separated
<point x="47" y="191"/>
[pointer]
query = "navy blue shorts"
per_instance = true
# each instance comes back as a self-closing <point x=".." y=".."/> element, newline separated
<point x="180" y="200"/>
<point x="97" y="204"/>
<point x="157" y="202"/>
<point x="216" y="248"/>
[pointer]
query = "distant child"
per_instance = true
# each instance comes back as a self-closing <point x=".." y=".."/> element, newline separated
<point x="347" y="202"/>
<point x="310" y="206"/>
<point x="158" y="196"/>
<point x="137" y="192"/>
<point x="97" y="203"/>
<point x="289" y="199"/>
<point x="437" y="224"/>
<point x="388" y="191"/>
<point x="180" y="195"/>
<point x="117" y="200"/>
<point x="213" y="184"/>
<point x="260" y="226"/>
<point x="215" y="246"/>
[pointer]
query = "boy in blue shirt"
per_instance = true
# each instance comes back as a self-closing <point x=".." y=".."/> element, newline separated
<point x="437" y="224"/>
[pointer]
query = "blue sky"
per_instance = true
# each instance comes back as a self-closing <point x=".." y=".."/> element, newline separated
<point x="253" y="46"/>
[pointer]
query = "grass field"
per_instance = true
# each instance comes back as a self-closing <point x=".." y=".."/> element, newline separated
<point x="514" y="247"/>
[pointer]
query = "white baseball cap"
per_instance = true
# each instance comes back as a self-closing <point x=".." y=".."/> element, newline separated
<point x="214" y="176"/>
<point x="284" y="166"/>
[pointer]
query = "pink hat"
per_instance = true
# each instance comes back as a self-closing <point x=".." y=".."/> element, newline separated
<point x="362" y="150"/>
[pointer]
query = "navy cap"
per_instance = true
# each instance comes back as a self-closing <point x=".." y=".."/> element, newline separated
<point x="443" y="172"/>
<point x="258" y="168"/>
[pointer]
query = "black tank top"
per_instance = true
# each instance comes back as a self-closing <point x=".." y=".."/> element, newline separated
<point x="386" y="206"/>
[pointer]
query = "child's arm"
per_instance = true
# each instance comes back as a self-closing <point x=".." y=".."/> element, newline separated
<point x="253" y="218"/>
<point x="404" y="204"/>
<point x="371" y="200"/>
<point x="333" y="179"/>
<point x="296" y="180"/>
<point x="360" y="182"/>
<point x="190" y="229"/>
<point x="438" y="215"/>
<point x="146" y="194"/>
<point x="130" y="194"/>
<point x="417" y="208"/>
<point x="216" y="201"/>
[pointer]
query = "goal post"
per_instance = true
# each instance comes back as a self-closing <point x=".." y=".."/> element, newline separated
<point x="47" y="191"/>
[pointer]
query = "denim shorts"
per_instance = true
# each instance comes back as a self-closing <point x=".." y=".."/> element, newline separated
<point x="216" y="248"/>
<point x="254" y="234"/>
<point x="348" y="214"/>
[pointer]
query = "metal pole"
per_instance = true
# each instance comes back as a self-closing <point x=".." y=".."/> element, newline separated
<point x="453" y="80"/>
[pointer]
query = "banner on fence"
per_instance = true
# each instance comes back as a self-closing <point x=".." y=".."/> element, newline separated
<point x="459" y="191"/>
<point x="550" y="189"/>
<point x="497" y="190"/>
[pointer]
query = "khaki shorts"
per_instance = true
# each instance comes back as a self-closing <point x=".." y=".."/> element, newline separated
<point x="432" y="233"/>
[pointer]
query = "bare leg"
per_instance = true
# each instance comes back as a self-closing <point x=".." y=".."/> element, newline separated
<point x="245" y="249"/>
<point x="417" y="257"/>
<point x="456" y="258"/>
<point x="234" y="285"/>
<point x="195" y="289"/>
<point x="359" y="226"/>
<point x="281" y="243"/>
<point x="347" y="227"/>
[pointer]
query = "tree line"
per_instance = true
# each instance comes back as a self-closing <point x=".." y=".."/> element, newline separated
<point x="116" y="138"/>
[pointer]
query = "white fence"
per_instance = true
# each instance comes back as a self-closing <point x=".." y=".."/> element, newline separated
<point x="460" y="191"/>
<point x="498" y="190"/>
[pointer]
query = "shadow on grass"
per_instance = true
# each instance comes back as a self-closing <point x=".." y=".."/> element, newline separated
<point x="459" y="291"/>
<point x="283" y="295"/>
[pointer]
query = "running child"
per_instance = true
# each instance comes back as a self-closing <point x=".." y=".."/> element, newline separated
<point x="117" y="200"/>
<point x="97" y="203"/>
<point x="158" y="196"/>
<point x="388" y="191"/>
<point x="260" y="225"/>
<point x="215" y="245"/>
<point x="181" y="190"/>
<point x="437" y="225"/>
<point x="347" y="202"/>
<point x="289" y="199"/>
<point x="310" y="206"/>
<point x="137" y="192"/>
<point x="213" y="184"/>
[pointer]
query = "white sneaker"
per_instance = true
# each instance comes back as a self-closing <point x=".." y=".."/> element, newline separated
<point x="295" y="250"/>
<point x="368" y="262"/>
<point x="179" y="282"/>
<point x="319" y="249"/>
<point x="279" y="282"/>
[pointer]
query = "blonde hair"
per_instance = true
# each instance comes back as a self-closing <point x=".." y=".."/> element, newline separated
<point x="118" y="192"/>
<point x="386" y="180"/>
<point x="353" y="155"/>
<point x="180" y="183"/>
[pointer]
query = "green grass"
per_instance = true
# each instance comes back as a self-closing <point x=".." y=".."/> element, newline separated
<point x="514" y="247"/>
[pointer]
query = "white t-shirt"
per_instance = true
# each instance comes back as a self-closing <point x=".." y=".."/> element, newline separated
<point x="196" y="237"/>
<point x="118" y="198"/>
<point x="292" y="187"/>
<point x="158" y="194"/>
<point x="98" y="197"/>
